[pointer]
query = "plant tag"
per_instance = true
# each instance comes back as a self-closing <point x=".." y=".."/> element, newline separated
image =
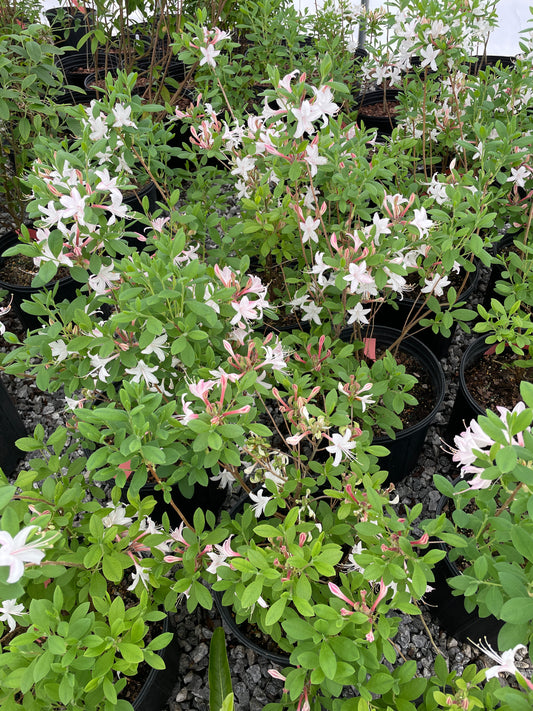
<point x="370" y="348"/>
<point x="490" y="350"/>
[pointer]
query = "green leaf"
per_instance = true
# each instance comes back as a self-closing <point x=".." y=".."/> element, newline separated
<point x="328" y="660"/>
<point x="219" y="673"/>
<point x="131" y="652"/>
<point x="6" y="495"/>
<point x="297" y="629"/>
<point x="275" y="611"/>
<point x="252" y="592"/>
<point x="34" y="51"/>
<point x="522" y="541"/>
<point x="517" y="611"/>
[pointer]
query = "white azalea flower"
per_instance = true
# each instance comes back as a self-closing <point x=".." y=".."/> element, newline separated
<point x="260" y="502"/>
<point x="505" y="661"/>
<point x="156" y="346"/>
<point x="122" y="116"/>
<point x="9" y="610"/>
<point x="340" y="446"/>
<point x="144" y="371"/>
<point x="116" y="517"/>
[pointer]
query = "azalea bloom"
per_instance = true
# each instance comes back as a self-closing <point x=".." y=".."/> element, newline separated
<point x="358" y="315"/>
<point x="116" y="517"/>
<point x="312" y="158"/>
<point x="319" y="268"/>
<point x="309" y="230"/>
<point x="156" y="346"/>
<point x="59" y="350"/>
<point x="142" y="370"/>
<point x="505" y="661"/>
<point x="225" y="479"/>
<point x="421" y="221"/>
<point x="141" y="574"/>
<point x="429" y="55"/>
<point x="324" y="103"/>
<point x="306" y="114"/>
<point x="9" y="610"/>
<point x="245" y="309"/>
<point x="122" y="116"/>
<point x="435" y="285"/>
<point x="260" y="502"/>
<point x="360" y="280"/>
<point x="103" y="281"/>
<point x="208" y="55"/>
<point x="14" y="552"/>
<point x="311" y="312"/>
<point x="341" y="446"/>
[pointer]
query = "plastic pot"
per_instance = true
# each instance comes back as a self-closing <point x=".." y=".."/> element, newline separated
<point x="207" y="498"/>
<point x="450" y="609"/>
<point x="66" y="287"/>
<point x="405" y="449"/>
<point x="465" y="407"/>
<point x="77" y="66"/>
<point x="229" y="622"/>
<point x="227" y="615"/>
<point x="491" y="60"/>
<point x="69" y="26"/>
<point x="407" y="308"/>
<point x="160" y="683"/>
<point x="11" y="429"/>
<point x="497" y="269"/>
<point x="384" y="120"/>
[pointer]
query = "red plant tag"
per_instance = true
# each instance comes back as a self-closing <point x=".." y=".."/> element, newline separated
<point x="125" y="466"/>
<point x="490" y="350"/>
<point x="370" y="348"/>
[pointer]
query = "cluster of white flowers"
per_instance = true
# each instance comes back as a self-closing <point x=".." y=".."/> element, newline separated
<point x="475" y="442"/>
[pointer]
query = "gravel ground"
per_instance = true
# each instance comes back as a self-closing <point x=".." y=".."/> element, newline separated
<point x="253" y="686"/>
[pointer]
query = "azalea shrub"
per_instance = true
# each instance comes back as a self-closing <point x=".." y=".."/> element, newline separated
<point x="223" y="335"/>
<point x="81" y="583"/>
<point x="491" y="517"/>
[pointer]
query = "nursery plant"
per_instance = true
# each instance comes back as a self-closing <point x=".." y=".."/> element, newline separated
<point x="490" y="517"/>
<point x="29" y="81"/>
<point x="223" y="334"/>
<point x="81" y="584"/>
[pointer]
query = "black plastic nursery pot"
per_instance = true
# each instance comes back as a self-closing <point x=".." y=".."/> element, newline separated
<point x="497" y="270"/>
<point x="207" y="498"/>
<point x="408" y="307"/>
<point x="492" y="60"/>
<point x="465" y="407"/>
<point x="405" y="449"/>
<point x="449" y="609"/>
<point x="66" y="287"/>
<point x="11" y="429"/>
<point x="159" y="684"/>
<point x="244" y="635"/>
<point x="376" y="109"/>
<point x="76" y="66"/>
<point x="245" y="638"/>
<point x="69" y="26"/>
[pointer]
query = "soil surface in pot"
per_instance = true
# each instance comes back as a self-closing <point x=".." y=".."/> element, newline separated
<point x="493" y="380"/>
<point x="20" y="270"/>
<point x="379" y="110"/>
<point x="422" y="390"/>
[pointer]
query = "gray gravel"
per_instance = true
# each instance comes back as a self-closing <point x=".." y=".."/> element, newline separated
<point x="252" y="684"/>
